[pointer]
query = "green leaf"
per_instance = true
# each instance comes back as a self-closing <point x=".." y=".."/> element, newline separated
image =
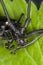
<point x="32" y="55"/>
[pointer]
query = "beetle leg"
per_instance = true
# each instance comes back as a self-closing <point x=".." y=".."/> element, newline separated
<point x="28" y="17"/>
<point x="8" y="44"/>
<point x="15" y="49"/>
<point x="33" y="41"/>
<point x="12" y="47"/>
<point x="10" y="38"/>
<point x="21" y="18"/>
<point x="25" y="25"/>
<point x="32" y="33"/>
<point x="30" y="43"/>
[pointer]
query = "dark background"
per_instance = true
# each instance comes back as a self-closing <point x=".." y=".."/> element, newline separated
<point x="37" y="2"/>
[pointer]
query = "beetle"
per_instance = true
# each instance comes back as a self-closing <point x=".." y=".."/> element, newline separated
<point x="11" y="30"/>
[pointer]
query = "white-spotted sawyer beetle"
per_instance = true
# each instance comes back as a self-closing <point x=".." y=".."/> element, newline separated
<point x="11" y="30"/>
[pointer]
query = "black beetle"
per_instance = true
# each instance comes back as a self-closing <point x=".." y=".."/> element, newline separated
<point x="12" y="31"/>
